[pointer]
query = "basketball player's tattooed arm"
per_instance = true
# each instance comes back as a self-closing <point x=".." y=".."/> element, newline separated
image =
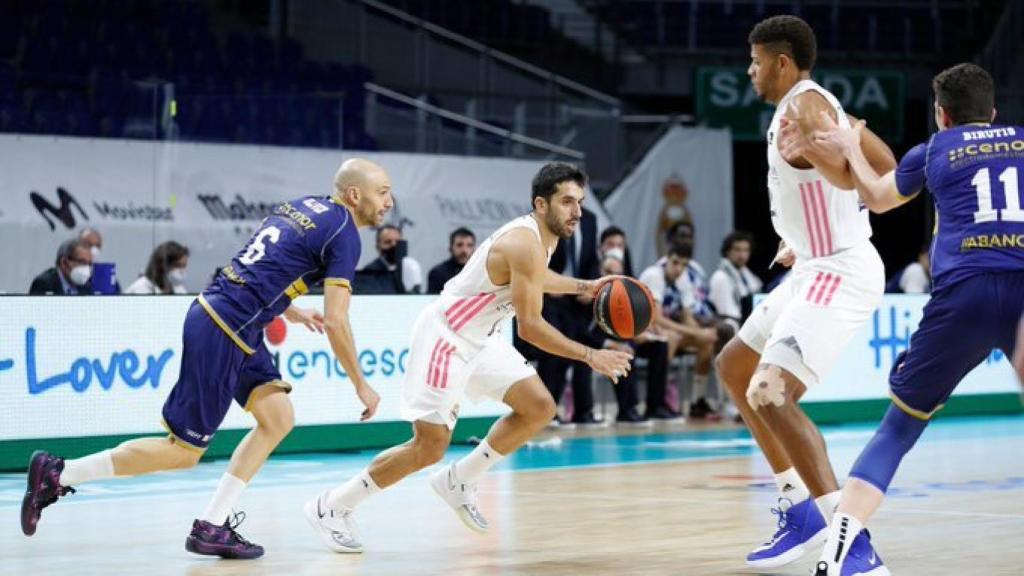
<point x="555" y="283"/>
<point x="339" y="334"/>
<point x="527" y="274"/>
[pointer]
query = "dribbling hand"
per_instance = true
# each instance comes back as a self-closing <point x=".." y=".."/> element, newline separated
<point x="311" y="318"/>
<point x="612" y="363"/>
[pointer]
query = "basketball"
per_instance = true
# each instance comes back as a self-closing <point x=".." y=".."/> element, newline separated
<point x="623" y="308"/>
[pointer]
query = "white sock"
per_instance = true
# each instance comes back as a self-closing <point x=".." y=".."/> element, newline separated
<point x="474" y="464"/>
<point x="791" y="486"/>
<point x="700" y="387"/>
<point x="351" y="493"/>
<point x="840" y="536"/>
<point x="229" y="489"/>
<point x="828" y="504"/>
<point x="92" y="467"/>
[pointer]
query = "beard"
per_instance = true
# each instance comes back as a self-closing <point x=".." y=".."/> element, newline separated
<point x="558" y="228"/>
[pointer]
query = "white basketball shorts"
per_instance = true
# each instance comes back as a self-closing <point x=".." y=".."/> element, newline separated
<point x="442" y="365"/>
<point x="803" y="325"/>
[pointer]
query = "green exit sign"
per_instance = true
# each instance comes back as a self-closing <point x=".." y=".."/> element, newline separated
<point x="725" y="97"/>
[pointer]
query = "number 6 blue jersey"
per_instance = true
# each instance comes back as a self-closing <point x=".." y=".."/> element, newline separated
<point x="301" y="243"/>
<point x="974" y="174"/>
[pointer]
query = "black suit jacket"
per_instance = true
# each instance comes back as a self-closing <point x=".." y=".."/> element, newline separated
<point x="48" y="283"/>
<point x="440" y="274"/>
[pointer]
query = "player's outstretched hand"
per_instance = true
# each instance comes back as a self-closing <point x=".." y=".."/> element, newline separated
<point x="595" y="285"/>
<point x="836" y="140"/>
<point x="310" y="317"/>
<point x="369" y="397"/>
<point x="612" y="363"/>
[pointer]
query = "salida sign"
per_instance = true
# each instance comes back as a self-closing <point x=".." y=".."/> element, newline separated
<point x="725" y="98"/>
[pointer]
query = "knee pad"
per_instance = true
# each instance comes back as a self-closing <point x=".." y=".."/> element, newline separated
<point x="896" y="435"/>
<point x="767" y="386"/>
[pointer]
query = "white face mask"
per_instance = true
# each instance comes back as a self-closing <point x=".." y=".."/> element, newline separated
<point x="616" y="253"/>
<point x="95" y="253"/>
<point x="80" y="274"/>
<point x="176" y="276"/>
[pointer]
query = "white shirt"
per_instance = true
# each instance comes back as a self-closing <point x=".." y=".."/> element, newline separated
<point x="654" y="278"/>
<point x="915" y="280"/>
<point x="815" y="218"/>
<point x="728" y="286"/>
<point x="142" y="285"/>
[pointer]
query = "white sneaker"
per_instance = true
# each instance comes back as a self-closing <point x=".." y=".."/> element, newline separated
<point x="337" y="529"/>
<point x="460" y="496"/>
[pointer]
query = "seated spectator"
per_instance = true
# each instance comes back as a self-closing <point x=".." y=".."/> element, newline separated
<point x="70" y="275"/>
<point x="613" y="244"/>
<point x="165" y="273"/>
<point x="94" y="240"/>
<point x="733" y="285"/>
<point x="914" y="278"/>
<point x="675" y="318"/>
<point x="383" y="275"/>
<point x="461" y="244"/>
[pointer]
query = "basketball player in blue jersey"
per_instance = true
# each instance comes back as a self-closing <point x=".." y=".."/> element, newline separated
<point x="973" y="170"/>
<point x="303" y="242"/>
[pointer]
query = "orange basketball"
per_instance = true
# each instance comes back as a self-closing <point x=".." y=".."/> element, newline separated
<point x="623" y="308"/>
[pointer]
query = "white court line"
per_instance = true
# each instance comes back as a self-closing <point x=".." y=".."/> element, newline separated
<point x="604" y="496"/>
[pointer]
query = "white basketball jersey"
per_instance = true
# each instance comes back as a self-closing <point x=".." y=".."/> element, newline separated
<point x="473" y="306"/>
<point x="813" y="217"/>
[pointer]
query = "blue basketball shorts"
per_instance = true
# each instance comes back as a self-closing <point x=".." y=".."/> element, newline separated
<point x="214" y="371"/>
<point x="961" y="326"/>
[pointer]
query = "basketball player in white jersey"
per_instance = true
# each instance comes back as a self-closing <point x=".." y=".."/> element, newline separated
<point x="457" y="347"/>
<point x="794" y="337"/>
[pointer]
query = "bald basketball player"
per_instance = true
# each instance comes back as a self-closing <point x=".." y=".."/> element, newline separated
<point x="457" y="350"/>
<point x="305" y="241"/>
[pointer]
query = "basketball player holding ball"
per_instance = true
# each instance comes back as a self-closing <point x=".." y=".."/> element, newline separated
<point x="457" y="349"/>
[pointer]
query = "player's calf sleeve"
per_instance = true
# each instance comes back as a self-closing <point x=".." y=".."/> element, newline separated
<point x="879" y="460"/>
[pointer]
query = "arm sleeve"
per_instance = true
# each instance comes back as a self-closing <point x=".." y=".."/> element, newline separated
<point x="341" y="256"/>
<point x="910" y="173"/>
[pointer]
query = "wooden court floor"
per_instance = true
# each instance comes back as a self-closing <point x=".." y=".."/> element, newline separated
<point x="680" y="501"/>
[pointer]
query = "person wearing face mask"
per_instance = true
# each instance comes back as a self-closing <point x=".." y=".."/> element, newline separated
<point x="374" y="277"/>
<point x="104" y="278"/>
<point x="71" y="274"/>
<point x="165" y="273"/>
<point x="461" y="244"/>
<point x="733" y="285"/>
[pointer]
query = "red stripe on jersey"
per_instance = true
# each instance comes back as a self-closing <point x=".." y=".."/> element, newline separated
<point x="816" y="216"/>
<point x="807" y="221"/>
<point x="824" y="218"/>
<point x="480" y="305"/>
<point x="460" y="306"/>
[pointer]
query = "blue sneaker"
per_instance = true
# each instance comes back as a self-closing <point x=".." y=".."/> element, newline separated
<point x="862" y="560"/>
<point x="801" y="529"/>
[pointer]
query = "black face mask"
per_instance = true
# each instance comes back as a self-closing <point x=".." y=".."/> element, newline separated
<point x="390" y="255"/>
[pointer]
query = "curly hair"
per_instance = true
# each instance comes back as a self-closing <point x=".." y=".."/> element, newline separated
<point x="787" y="35"/>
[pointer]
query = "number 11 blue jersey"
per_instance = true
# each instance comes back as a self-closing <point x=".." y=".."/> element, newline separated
<point x="974" y="173"/>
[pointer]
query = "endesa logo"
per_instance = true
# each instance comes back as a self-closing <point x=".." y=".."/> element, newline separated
<point x="299" y="364"/>
<point x="126" y="366"/>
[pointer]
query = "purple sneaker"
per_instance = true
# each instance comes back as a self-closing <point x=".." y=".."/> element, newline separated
<point x="212" y="540"/>
<point x="43" y="488"/>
